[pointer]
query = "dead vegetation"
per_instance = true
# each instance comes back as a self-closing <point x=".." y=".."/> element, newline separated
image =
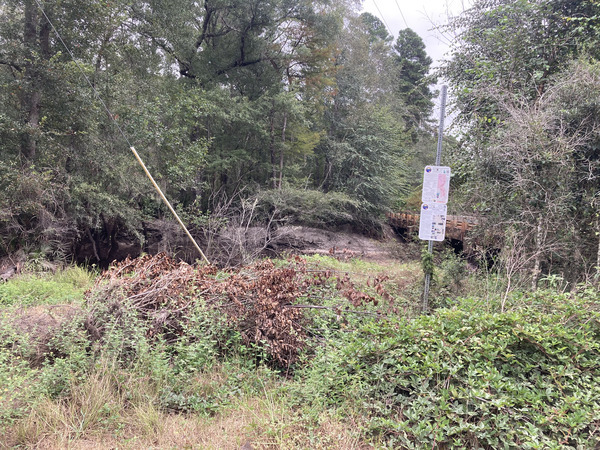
<point x="259" y="421"/>
<point x="117" y="368"/>
<point x="265" y="303"/>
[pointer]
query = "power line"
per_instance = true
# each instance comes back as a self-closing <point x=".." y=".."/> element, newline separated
<point x="96" y="94"/>
<point x="388" y="28"/>
<point x="383" y="18"/>
<point x="403" y="18"/>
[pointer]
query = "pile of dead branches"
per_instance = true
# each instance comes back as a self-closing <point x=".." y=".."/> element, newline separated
<point x="259" y="300"/>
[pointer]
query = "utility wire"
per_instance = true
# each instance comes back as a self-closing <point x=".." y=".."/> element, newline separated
<point x="403" y="18"/>
<point x="96" y="94"/>
<point x="131" y="147"/>
<point x="383" y="19"/>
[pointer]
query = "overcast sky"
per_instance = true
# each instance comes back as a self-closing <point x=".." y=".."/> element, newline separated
<point x="422" y="16"/>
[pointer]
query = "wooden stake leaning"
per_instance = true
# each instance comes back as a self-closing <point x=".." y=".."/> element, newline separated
<point x="110" y="114"/>
<point x="149" y="175"/>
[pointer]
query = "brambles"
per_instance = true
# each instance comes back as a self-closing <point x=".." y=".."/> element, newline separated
<point x="259" y="301"/>
<point x="467" y="378"/>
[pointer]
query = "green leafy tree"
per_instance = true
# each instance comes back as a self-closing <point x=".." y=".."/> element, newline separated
<point x="518" y="157"/>
<point x="217" y="96"/>
<point x="375" y="27"/>
<point x="413" y="79"/>
<point x="264" y="64"/>
<point x="506" y="47"/>
<point x="362" y="153"/>
<point x="62" y="140"/>
<point x="538" y="178"/>
<point x="48" y="115"/>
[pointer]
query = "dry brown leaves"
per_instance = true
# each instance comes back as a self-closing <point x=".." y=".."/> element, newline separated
<point x="258" y="300"/>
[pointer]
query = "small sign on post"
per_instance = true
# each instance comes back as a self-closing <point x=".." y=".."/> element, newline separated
<point x="436" y="183"/>
<point x="432" y="223"/>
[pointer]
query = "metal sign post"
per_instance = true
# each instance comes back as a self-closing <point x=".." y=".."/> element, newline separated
<point x="435" y="217"/>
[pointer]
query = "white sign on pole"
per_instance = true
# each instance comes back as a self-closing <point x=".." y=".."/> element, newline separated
<point x="436" y="183"/>
<point x="432" y="223"/>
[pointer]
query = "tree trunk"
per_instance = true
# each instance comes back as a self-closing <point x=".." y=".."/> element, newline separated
<point x="32" y="112"/>
<point x="539" y="238"/>
<point x="32" y="94"/>
<point x="282" y="148"/>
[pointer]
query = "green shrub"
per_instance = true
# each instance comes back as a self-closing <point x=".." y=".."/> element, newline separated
<point x="309" y="207"/>
<point x="68" y="361"/>
<point x="525" y="378"/>
<point x="17" y="385"/>
<point x="205" y="337"/>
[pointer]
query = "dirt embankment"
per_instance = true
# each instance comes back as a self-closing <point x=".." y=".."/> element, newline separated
<point x="241" y="245"/>
<point x="308" y="240"/>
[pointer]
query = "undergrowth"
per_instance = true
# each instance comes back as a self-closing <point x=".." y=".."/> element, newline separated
<point x="467" y="378"/>
<point x="164" y="355"/>
<point x="29" y="289"/>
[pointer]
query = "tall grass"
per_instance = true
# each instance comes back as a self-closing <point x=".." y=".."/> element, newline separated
<point x="467" y="375"/>
<point x="30" y="289"/>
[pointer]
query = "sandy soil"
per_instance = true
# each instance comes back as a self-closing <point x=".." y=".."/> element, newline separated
<point x="308" y="240"/>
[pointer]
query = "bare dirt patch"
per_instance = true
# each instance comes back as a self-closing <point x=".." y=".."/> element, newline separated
<point x="307" y="240"/>
<point x="38" y="325"/>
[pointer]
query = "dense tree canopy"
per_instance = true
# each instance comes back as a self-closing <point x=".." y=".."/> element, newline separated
<point x="219" y="97"/>
<point x="269" y="102"/>
<point x="512" y="48"/>
<point x="524" y="76"/>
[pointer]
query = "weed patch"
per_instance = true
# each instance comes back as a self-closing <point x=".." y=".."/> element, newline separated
<point x="63" y="287"/>
<point x="464" y="378"/>
<point x="302" y="353"/>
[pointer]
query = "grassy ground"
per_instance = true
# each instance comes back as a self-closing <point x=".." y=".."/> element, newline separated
<point x="57" y="397"/>
<point x="98" y="417"/>
<point x="375" y="374"/>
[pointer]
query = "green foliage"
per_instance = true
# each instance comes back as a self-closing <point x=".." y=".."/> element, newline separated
<point x="427" y="261"/>
<point x="450" y="278"/>
<point x="31" y="291"/>
<point x="79" y="277"/>
<point x="43" y="355"/>
<point x="412" y="79"/>
<point x="542" y="160"/>
<point x="366" y="163"/>
<point x="68" y="362"/>
<point x="309" y="207"/>
<point x="463" y="377"/>
<point x="169" y="134"/>
<point x="32" y="210"/>
<point x="204" y="339"/>
<point x="522" y="72"/>
<point x="375" y="27"/>
<point x="17" y="379"/>
<point x="64" y="287"/>
<point x="514" y="47"/>
<point x="217" y="98"/>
